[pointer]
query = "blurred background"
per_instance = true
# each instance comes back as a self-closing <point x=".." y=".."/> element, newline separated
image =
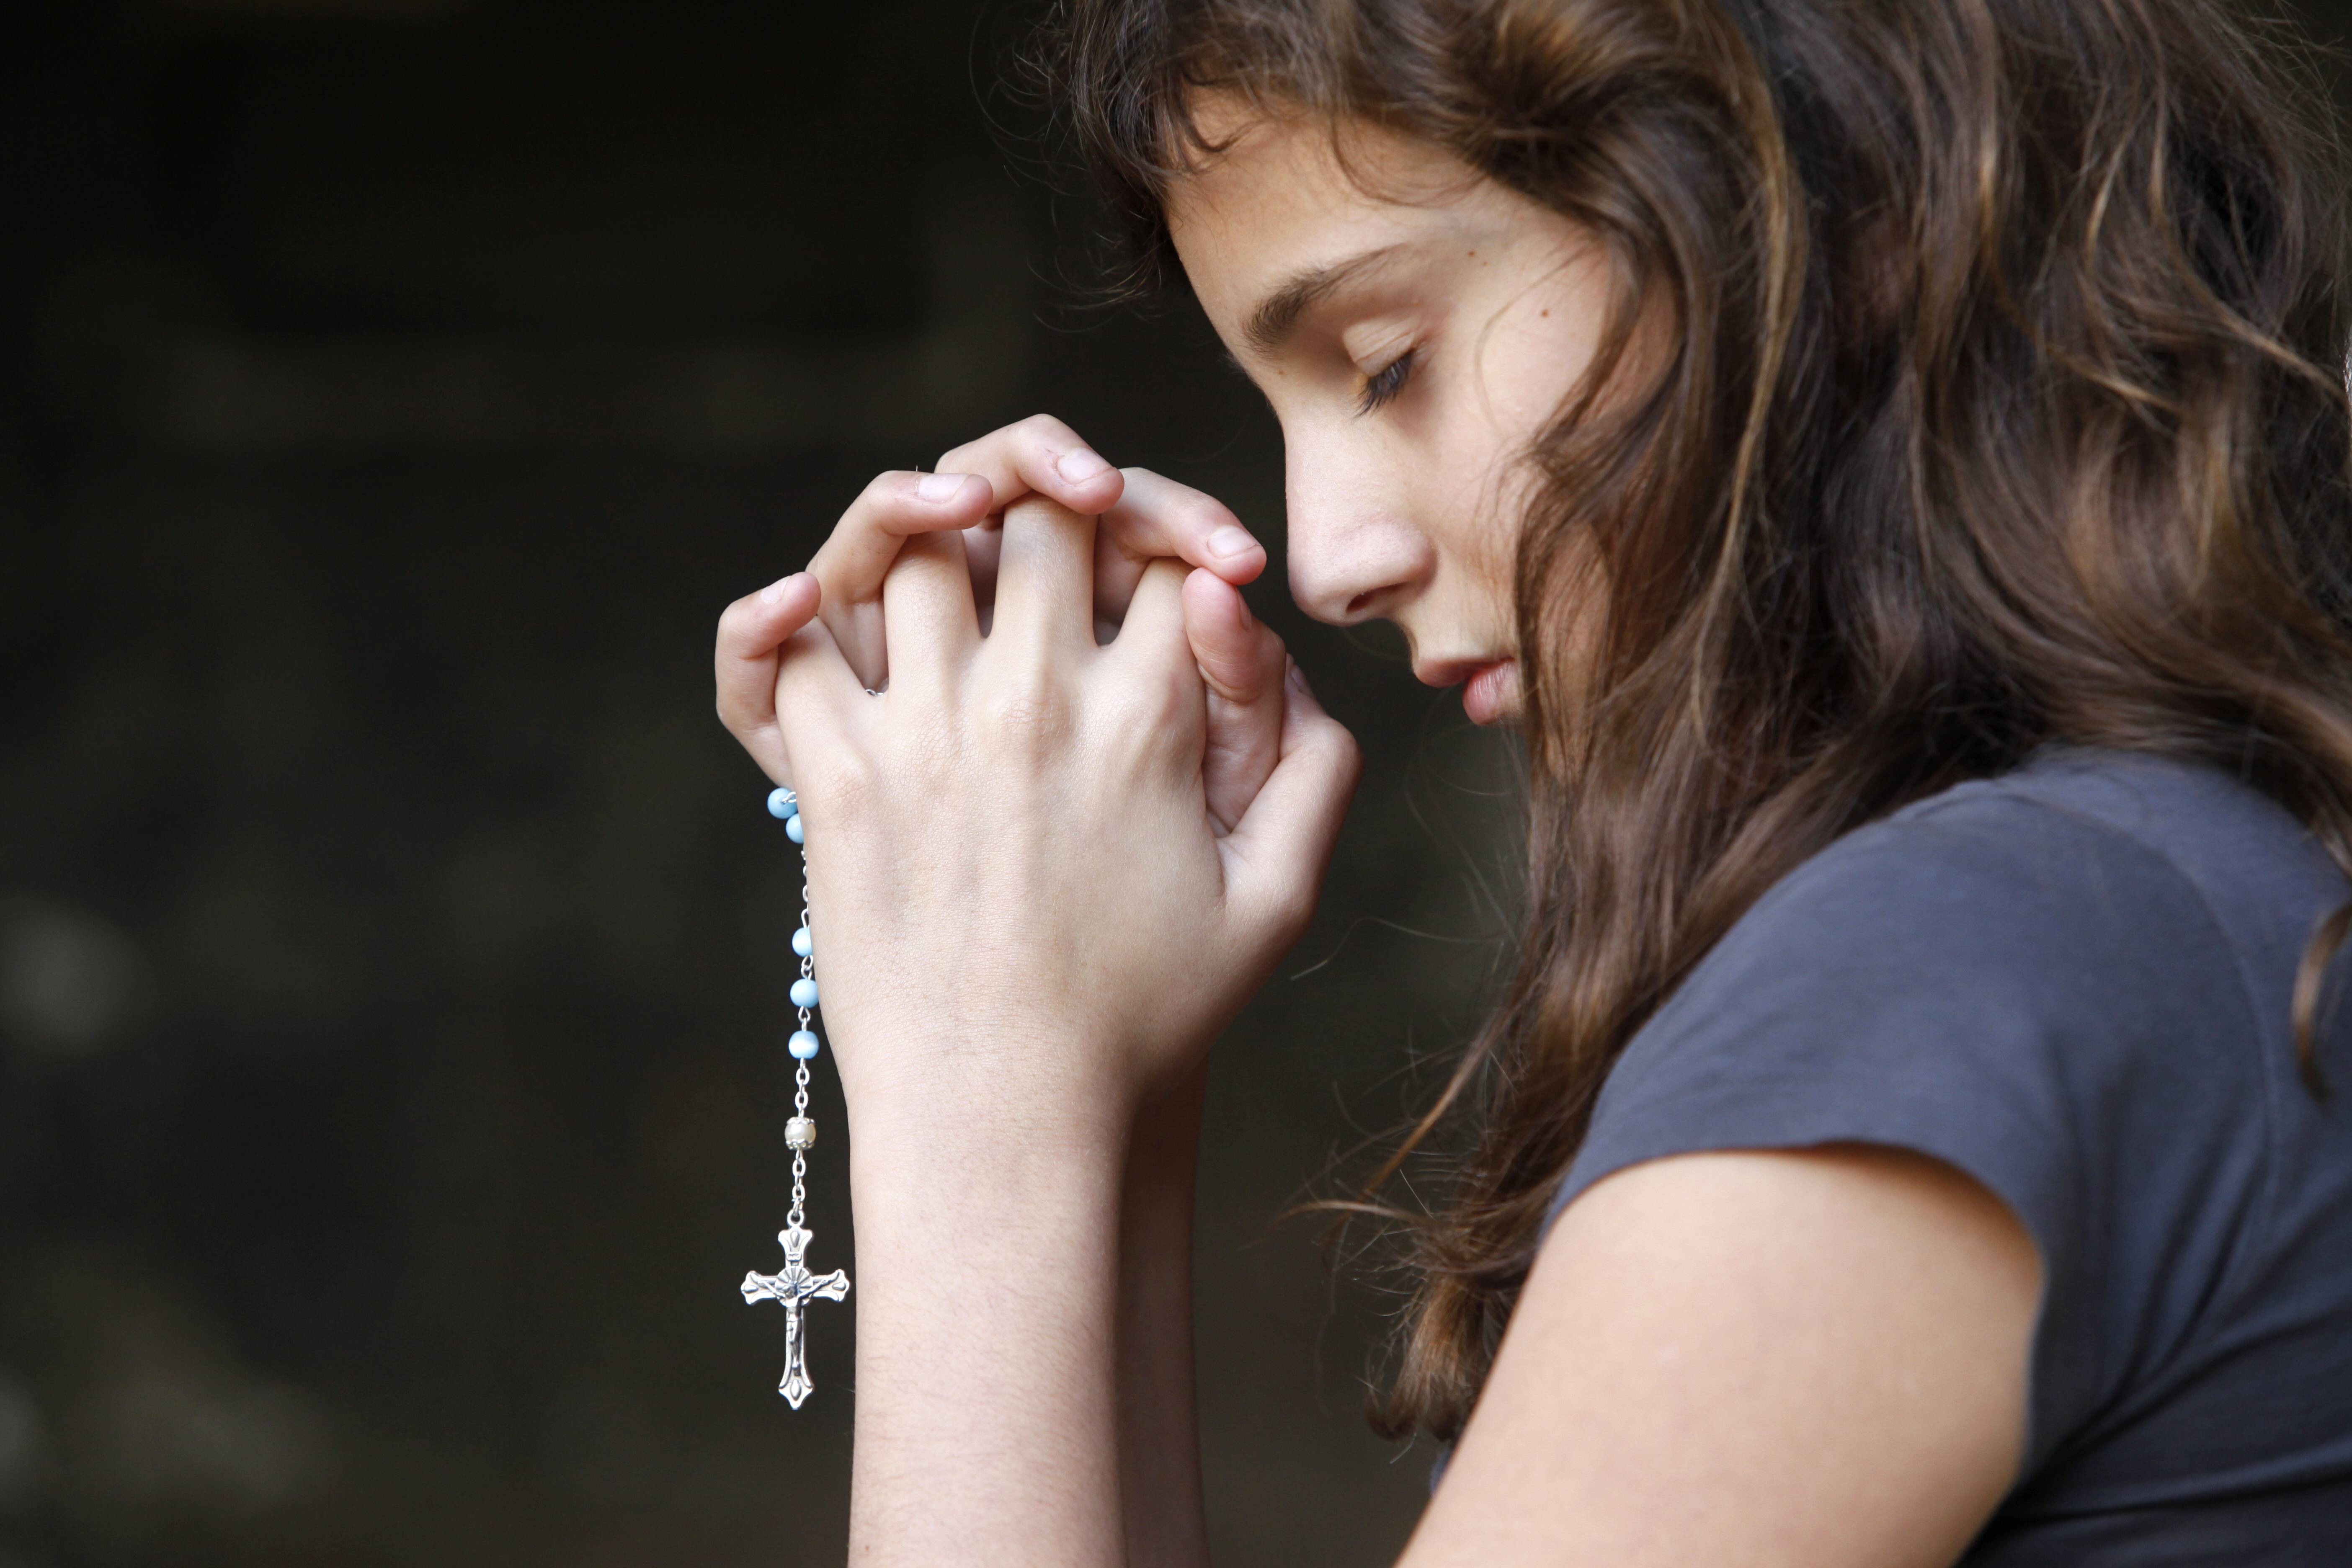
<point x="392" y="944"/>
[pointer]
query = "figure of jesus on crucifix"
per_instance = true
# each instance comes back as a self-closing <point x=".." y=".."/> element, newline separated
<point x="793" y="1287"/>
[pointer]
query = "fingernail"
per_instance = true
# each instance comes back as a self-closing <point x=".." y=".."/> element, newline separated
<point x="1229" y="541"/>
<point x="939" y="487"/>
<point x="775" y="590"/>
<point x="1298" y="678"/>
<point x="1080" y="466"/>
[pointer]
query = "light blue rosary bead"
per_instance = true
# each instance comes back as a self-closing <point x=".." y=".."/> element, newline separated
<point x="782" y="803"/>
<point x="802" y="1045"/>
<point x="804" y="992"/>
<point x="793" y="830"/>
<point x="803" y="943"/>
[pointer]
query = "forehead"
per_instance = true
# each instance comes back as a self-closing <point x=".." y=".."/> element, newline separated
<point x="1297" y="196"/>
<point x="1289" y="193"/>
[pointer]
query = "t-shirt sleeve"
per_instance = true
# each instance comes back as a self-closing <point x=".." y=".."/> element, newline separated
<point x="2034" y="998"/>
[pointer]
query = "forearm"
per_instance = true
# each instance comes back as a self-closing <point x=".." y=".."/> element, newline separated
<point x="987" y="1424"/>
<point x="1158" y="1426"/>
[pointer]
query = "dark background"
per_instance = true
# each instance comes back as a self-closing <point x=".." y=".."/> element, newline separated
<point x="392" y="945"/>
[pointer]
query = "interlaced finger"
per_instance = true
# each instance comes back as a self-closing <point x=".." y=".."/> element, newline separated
<point x="751" y="634"/>
<point x="1038" y="456"/>
<point x="1044" y="584"/>
<point x="1156" y="518"/>
<point x="851" y="563"/>
<point x="928" y="615"/>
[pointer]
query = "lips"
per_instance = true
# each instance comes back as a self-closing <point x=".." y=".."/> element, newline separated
<point x="1490" y="687"/>
<point x="1493" y="692"/>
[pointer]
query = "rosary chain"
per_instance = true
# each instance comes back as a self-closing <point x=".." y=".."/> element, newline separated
<point x="797" y="1285"/>
<point x="801" y="1081"/>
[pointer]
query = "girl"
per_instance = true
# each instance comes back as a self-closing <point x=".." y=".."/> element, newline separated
<point x="1890" y="461"/>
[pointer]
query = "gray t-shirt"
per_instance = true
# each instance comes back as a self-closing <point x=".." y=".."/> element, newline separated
<point x="2074" y="982"/>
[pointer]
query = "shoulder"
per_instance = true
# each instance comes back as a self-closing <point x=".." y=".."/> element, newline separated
<point x="2083" y="901"/>
<point x="2112" y="845"/>
<point x="2071" y="983"/>
<point x="2032" y="834"/>
<point x="2046" y="958"/>
<point x="1998" y="932"/>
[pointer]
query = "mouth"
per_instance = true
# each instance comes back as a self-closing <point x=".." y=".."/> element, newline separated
<point x="1490" y="687"/>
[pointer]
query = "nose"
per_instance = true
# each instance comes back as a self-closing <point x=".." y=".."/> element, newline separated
<point x="1354" y="555"/>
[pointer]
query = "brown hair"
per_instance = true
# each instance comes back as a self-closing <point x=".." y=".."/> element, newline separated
<point x="2005" y="404"/>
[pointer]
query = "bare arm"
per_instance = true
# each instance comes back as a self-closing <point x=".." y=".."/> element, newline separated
<point x="1810" y="1358"/>
<point x="1025" y="1351"/>
<point x="986" y="1422"/>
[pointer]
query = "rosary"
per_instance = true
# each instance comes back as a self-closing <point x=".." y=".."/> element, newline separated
<point x="796" y="1286"/>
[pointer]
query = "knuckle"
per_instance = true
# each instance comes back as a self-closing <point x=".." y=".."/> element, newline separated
<point x="1204" y="514"/>
<point x="1128" y="711"/>
<point x="1043" y="436"/>
<point x="1027" y="714"/>
<point x="884" y="492"/>
<point x="1147" y="710"/>
<point x="1130" y="539"/>
<point x="841" y="781"/>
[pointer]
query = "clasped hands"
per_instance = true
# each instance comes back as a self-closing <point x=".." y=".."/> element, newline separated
<point x="1068" y="800"/>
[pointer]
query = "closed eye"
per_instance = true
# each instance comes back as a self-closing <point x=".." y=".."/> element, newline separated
<point x="1385" y="383"/>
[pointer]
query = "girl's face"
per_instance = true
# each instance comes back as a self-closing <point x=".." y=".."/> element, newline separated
<point x="1415" y="325"/>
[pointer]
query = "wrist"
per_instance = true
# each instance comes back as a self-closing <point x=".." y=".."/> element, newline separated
<point x="960" y="1092"/>
<point x="897" y="1191"/>
<point x="942" y="1158"/>
<point x="988" y="1274"/>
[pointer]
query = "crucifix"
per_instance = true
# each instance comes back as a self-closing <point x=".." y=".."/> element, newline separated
<point x="795" y="1287"/>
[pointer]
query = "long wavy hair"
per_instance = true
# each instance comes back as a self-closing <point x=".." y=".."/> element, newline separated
<point x="2003" y="404"/>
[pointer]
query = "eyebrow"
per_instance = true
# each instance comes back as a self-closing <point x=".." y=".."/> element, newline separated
<point x="1276" y="316"/>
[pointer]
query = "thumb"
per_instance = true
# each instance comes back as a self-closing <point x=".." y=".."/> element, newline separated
<point x="1242" y="662"/>
<point x="1275" y="856"/>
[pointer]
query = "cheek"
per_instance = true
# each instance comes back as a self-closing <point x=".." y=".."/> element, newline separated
<point x="1527" y="374"/>
<point x="1492" y="412"/>
<point x="1471" y="485"/>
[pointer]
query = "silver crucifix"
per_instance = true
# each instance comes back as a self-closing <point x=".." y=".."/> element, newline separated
<point x="795" y="1287"/>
